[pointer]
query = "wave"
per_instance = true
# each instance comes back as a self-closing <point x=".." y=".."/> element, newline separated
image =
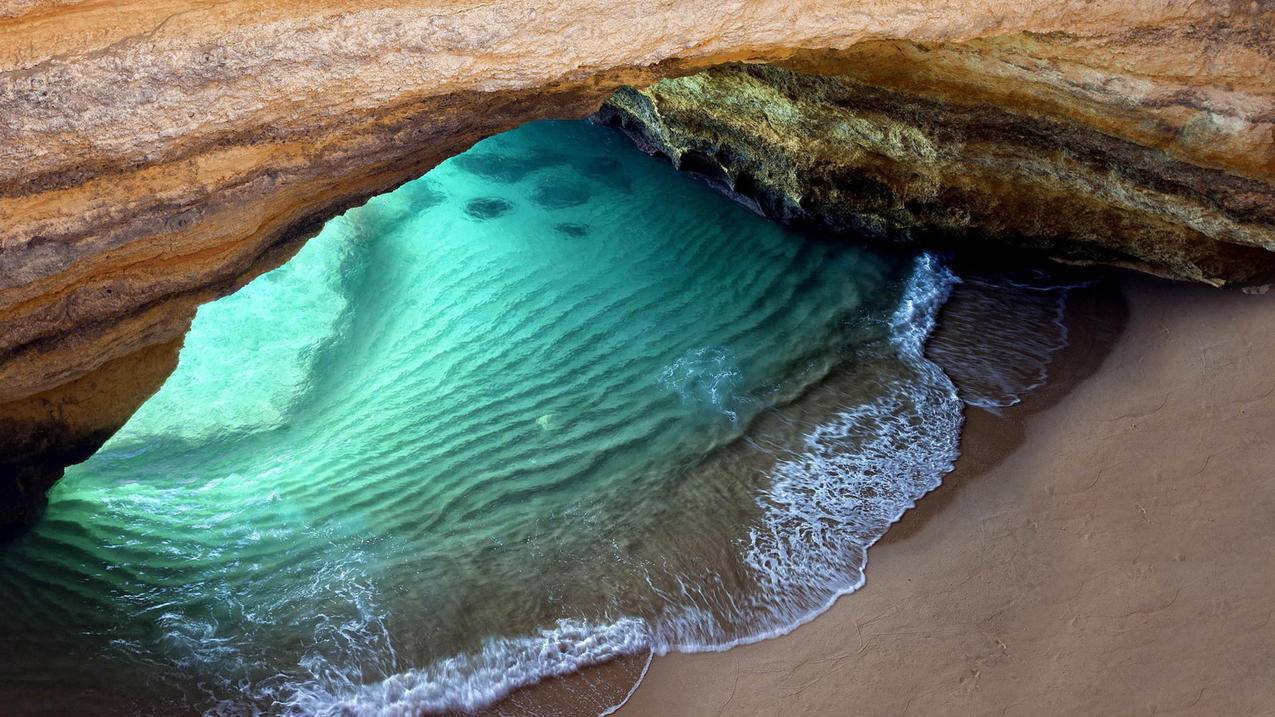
<point x="472" y="681"/>
<point x="852" y="477"/>
<point x="494" y="455"/>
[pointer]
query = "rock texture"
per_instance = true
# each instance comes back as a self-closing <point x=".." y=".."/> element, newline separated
<point x="931" y="142"/>
<point x="155" y="154"/>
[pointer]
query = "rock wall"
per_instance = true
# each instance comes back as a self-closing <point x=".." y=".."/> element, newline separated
<point x="978" y="145"/>
<point x="156" y="155"/>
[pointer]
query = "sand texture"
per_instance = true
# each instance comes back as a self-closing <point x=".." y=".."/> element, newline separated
<point x="1113" y="553"/>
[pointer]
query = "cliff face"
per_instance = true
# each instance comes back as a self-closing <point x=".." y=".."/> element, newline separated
<point x="1005" y="140"/>
<point x="155" y="155"/>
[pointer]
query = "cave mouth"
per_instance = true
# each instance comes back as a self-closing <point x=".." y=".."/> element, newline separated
<point x="550" y="405"/>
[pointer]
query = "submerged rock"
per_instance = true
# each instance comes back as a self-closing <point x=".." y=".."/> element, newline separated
<point x="485" y="208"/>
<point x="572" y="229"/>
<point x="559" y="196"/>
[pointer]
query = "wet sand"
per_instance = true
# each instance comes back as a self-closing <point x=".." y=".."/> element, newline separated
<point x="1105" y="548"/>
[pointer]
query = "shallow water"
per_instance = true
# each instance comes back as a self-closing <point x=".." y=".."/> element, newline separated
<point x="1000" y="331"/>
<point x="551" y="404"/>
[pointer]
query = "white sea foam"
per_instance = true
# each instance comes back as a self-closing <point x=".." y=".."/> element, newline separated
<point x="708" y="376"/>
<point x="472" y="681"/>
<point x="830" y="501"/>
<point x="857" y="474"/>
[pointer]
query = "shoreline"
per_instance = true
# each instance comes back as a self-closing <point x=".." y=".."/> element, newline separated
<point x="578" y="694"/>
<point x="1026" y="583"/>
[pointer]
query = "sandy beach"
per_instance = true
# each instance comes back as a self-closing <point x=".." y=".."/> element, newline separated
<point x="1105" y="548"/>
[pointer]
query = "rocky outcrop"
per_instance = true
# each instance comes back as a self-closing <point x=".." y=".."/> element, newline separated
<point x="154" y="156"/>
<point x="978" y="143"/>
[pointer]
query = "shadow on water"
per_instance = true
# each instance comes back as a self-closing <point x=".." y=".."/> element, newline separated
<point x="1095" y="319"/>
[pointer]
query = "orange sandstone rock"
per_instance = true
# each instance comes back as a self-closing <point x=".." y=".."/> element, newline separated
<point x="156" y="154"/>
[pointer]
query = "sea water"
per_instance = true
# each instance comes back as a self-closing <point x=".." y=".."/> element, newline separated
<point x="551" y="405"/>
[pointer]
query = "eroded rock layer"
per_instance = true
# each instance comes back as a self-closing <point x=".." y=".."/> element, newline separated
<point x="156" y="155"/>
<point x="907" y="141"/>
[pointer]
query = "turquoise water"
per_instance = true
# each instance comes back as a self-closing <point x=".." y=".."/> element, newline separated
<point x="549" y="405"/>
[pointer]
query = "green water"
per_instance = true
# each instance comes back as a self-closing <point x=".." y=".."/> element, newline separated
<point x="551" y="404"/>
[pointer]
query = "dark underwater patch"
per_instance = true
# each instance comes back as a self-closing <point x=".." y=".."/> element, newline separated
<point x="572" y="229"/>
<point x="422" y="195"/>
<point x="561" y="195"/>
<point x="485" y="208"/>
<point x="608" y="171"/>
<point x="502" y="168"/>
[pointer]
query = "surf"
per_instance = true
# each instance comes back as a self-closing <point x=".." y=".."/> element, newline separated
<point x="551" y="405"/>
